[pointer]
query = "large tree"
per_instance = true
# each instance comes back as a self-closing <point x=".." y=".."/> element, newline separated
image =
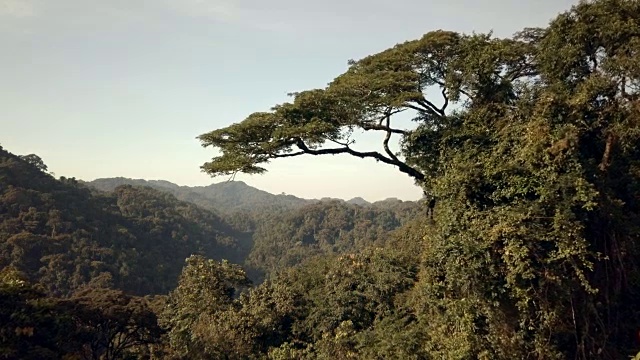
<point x="460" y="69"/>
<point x="206" y="288"/>
<point x="36" y="161"/>
<point x="532" y="149"/>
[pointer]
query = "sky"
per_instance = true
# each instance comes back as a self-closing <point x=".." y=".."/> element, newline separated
<point x="106" y="88"/>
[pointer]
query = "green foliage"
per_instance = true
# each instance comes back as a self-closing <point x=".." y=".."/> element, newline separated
<point x="206" y="288"/>
<point x="536" y="222"/>
<point x="326" y="308"/>
<point x="62" y="236"/>
<point x="535" y="172"/>
<point x="284" y="239"/>
<point x="93" y="324"/>
<point x="345" y="304"/>
<point x="35" y="161"/>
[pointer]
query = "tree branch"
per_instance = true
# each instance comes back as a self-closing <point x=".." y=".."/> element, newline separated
<point x="462" y="91"/>
<point x="524" y="69"/>
<point x="430" y="106"/>
<point x="385" y="143"/>
<point x="277" y="156"/>
<point x="346" y="150"/>
<point x="345" y="144"/>
<point x="608" y="149"/>
<point x="369" y="126"/>
<point x="446" y="100"/>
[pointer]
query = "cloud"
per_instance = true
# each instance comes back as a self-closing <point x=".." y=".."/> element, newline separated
<point x="17" y="8"/>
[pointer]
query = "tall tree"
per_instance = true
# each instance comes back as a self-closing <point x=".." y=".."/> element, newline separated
<point x="36" y="161"/>
<point x="532" y="148"/>
<point x="111" y="323"/>
<point x="205" y="288"/>
<point x="369" y="96"/>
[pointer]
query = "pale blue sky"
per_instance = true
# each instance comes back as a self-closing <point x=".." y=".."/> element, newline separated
<point x="104" y="88"/>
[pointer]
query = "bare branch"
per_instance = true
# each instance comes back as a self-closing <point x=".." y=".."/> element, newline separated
<point x="446" y="100"/>
<point x="523" y="70"/>
<point x="608" y="149"/>
<point x="346" y="150"/>
<point x="465" y="93"/>
<point x="345" y="144"/>
<point x="418" y="109"/>
<point x="385" y="143"/>
<point x="427" y="109"/>
<point x="429" y="106"/>
<point x="233" y="176"/>
<point x="298" y="153"/>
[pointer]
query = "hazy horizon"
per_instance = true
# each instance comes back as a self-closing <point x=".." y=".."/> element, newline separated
<point x="241" y="181"/>
<point x="104" y="89"/>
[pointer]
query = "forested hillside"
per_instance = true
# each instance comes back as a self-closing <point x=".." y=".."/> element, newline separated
<point x="68" y="252"/>
<point x="63" y="236"/>
<point x="287" y="238"/>
<point x="134" y="238"/>
<point x="286" y="230"/>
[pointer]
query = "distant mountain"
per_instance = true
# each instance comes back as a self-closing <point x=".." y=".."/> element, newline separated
<point x="230" y="197"/>
<point x="358" y="201"/>
<point x="225" y="197"/>
<point x="389" y="202"/>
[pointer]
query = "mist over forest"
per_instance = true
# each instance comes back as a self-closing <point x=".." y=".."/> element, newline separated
<point x="525" y="245"/>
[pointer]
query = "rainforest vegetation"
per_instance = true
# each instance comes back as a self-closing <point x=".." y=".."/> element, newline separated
<point x="526" y="246"/>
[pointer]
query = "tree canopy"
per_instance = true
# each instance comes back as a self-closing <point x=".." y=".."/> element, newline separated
<point x="464" y="70"/>
<point x="36" y="161"/>
<point x="531" y="146"/>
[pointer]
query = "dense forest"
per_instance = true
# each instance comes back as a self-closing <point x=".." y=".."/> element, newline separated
<point x="526" y="245"/>
<point x="66" y="245"/>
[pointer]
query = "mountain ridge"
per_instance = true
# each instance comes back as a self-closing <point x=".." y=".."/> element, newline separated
<point x="227" y="196"/>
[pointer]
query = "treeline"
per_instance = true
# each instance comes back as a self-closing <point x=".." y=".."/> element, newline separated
<point x="62" y="234"/>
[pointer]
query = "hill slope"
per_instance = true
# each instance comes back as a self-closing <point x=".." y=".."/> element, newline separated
<point x="224" y="197"/>
<point x="64" y="236"/>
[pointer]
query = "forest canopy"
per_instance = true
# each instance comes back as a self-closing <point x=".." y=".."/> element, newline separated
<point x="530" y="145"/>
